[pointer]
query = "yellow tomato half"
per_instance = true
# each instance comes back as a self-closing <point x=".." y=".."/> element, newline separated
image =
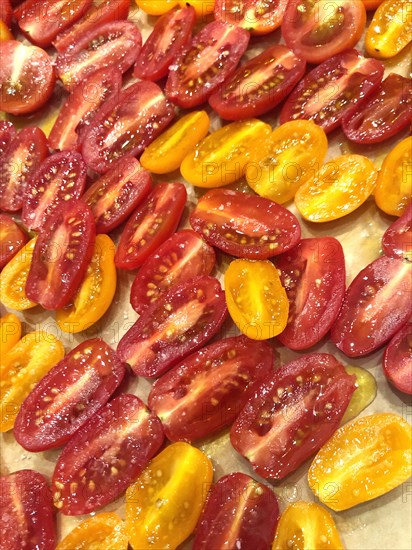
<point x="390" y="29"/>
<point x="13" y="279"/>
<point x="103" y="531"/>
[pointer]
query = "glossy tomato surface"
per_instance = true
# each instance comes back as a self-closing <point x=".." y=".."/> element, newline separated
<point x="105" y="530"/>
<point x="7" y="133"/>
<point x="13" y="279"/>
<point x="397" y="239"/>
<point x="253" y="15"/>
<point x="390" y="30"/>
<point x="12" y="239"/>
<point x="397" y="360"/>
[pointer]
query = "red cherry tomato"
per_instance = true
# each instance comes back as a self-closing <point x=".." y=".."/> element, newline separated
<point x="7" y="133"/>
<point x="292" y="414"/>
<point x="254" y="15"/>
<point x="6" y="12"/>
<point x="180" y="322"/>
<point x="244" y="225"/>
<point x="204" y="64"/>
<point x="151" y="224"/>
<point x="397" y="239"/>
<point x="12" y="239"/>
<point x="105" y="456"/>
<point x="259" y="85"/>
<point x="397" y="360"/>
<point x="70" y="393"/>
<point x="61" y="255"/>
<point x="206" y="391"/>
<point x="376" y="305"/>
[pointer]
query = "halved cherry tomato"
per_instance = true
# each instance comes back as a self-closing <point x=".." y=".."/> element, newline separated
<point x="397" y="239"/>
<point x="255" y="16"/>
<point x="125" y="125"/>
<point x="105" y="456"/>
<point x="170" y="33"/>
<point x="313" y="275"/>
<point x="7" y="133"/>
<point x="397" y="360"/>
<point x="259" y="85"/>
<point x="115" y="44"/>
<point x="362" y="460"/>
<point x="26" y="512"/>
<point x="223" y="157"/>
<point x="383" y="114"/>
<point x="333" y="89"/>
<point x="70" y="393"/>
<point x="183" y="256"/>
<point x="5" y="34"/>
<point x="12" y="239"/>
<point x="61" y="256"/>
<point x="376" y="305"/>
<point x="317" y="29"/>
<point x="180" y="322"/>
<point x="26" y="77"/>
<point x="10" y="332"/>
<point x="152" y="223"/>
<point x="165" y="503"/>
<point x="167" y="152"/>
<point x="60" y="178"/>
<point x="239" y="513"/>
<point x="22" y="368"/>
<point x="292" y="414"/>
<point x="104" y="530"/>
<point x="202" y="7"/>
<point x="390" y="30"/>
<point x="13" y="279"/>
<point x="364" y="394"/>
<point x="288" y="158"/>
<point x="306" y="526"/>
<point x="6" y="12"/>
<point x="394" y="184"/>
<point x="244" y="225"/>
<point x="342" y="185"/>
<point x="18" y="164"/>
<point x="156" y="7"/>
<point x="205" y="63"/>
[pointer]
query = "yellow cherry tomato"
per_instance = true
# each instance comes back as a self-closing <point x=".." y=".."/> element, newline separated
<point x="390" y="29"/>
<point x="167" y="152"/>
<point x="13" y="279"/>
<point x="306" y="526"/>
<point x="222" y="157"/>
<point x="202" y="7"/>
<point x="256" y="299"/>
<point x="371" y="4"/>
<point x="165" y="503"/>
<point x="290" y="156"/>
<point x="5" y="33"/>
<point x="394" y="184"/>
<point x="341" y="186"/>
<point x="156" y="7"/>
<point x="103" y="531"/>
<point x="364" y="394"/>
<point x="362" y="460"/>
<point x="10" y="332"/>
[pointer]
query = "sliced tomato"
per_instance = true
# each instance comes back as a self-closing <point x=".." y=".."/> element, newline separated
<point x="317" y="30"/>
<point x="103" y="458"/>
<point x="255" y="16"/>
<point x="115" y="44"/>
<point x="10" y="332"/>
<point x="6" y="12"/>
<point x="114" y="196"/>
<point x="125" y="125"/>
<point x="26" y="512"/>
<point x="170" y="33"/>
<point x="397" y="239"/>
<point x="390" y="30"/>
<point x="152" y="223"/>
<point x="205" y="63"/>
<point x="313" y="275"/>
<point x="20" y="161"/>
<point x="60" y="179"/>
<point x="13" y="279"/>
<point x="397" y="360"/>
<point x="105" y="530"/>
<point x="61" y="255"/>
<point x="244" y="225"/>
<point x="292" y="414"/>
<point x="240" y="513"/>
<point x="26" y="77"/>
<point x="7" y="133"/>
<point x="259" y="85"/>
<point x="333" y="89"/>
<point x="177" y="324"/>
<point x="12" y="239"/>
<point x="376" y="305"/>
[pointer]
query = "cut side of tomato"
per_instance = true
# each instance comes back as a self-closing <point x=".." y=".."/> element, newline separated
<point x="7" y="133"/>
<point x="12" y="239"/>
<point x="253" y="15"/>
<point x="390" y="30"/>
<point x="397" y="360"/>
<point x="13" y="279"/>
<point x="105" y="530"/>
<point x="10" y="332"/>
<point x="397" y="239"/>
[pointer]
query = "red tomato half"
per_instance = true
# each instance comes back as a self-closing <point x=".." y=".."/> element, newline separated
<point x="151" y="224"/>
<point x="397" y="360"/>
<point x="376" y="305"/>
<point x="7" y="133"/>
<point x="259" y="85"/>
<point x="254" y="15"/>
<point x="105" y="456"/>
<point x="205" y="392"/>
<point x="244" y="225"/>
<point x="180" y="322"/>
<point x="313" y="275"/>
<point x="126" y="125"/>
<point x="61" y="255"/>
<point x="12" y="239"/>
<point x="60" y="178"/>
<point x="397" y="239"/>
<point x="26" y="512"/>
<point x="203" y="65"/>
<point x="239" y="513"/>
<point x="72" y="391"/>
<point x="383" y="114"/>
<point x="333" y="89"/>
<point x="6" y="12"/>
<point x="171" y="32"/>
<point x="292" y="414"/>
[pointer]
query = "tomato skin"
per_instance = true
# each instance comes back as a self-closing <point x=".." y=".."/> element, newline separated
<point x="156" y="7"/>
<point x="12" y="239"/>
<point x="6" y="12"/>
<point x="390" y="29"/>
<point x="397" y="239"/>
<point x="205" y="392"/>
<point x="248" y="14"/>
<point x="10" y="332"/>
<point x="258" y="85"/>
<point x="13" y="279"/>
<point x="279" y="429"/>
<point x="105" y="530"/>
<point x="375" y="307"/>
<point x="5" y="33"/>
<point x="234" y="494"/>
<point x="397" y="360"/>
<point x="7" y="133"/>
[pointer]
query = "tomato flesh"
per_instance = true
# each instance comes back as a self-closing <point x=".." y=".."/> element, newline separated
<point x="12" y="239"/>
<point x="105" y="530"/>
<point x="397" y="239"/>
<point x="7" y="133"/>
<point x="253" y="15"/>
<point x="397" y="360"/>
<point x="10" y="331"/>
